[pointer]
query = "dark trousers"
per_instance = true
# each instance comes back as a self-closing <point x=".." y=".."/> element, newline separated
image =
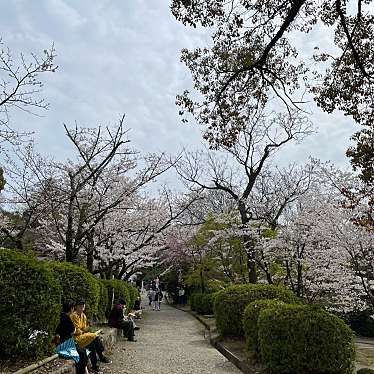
<point x="127" y="327"/>
<point x="83" y="359"/>
<point x="96" y="348"/>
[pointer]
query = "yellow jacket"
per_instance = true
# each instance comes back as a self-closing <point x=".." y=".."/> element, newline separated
<point x="81" y="337"/>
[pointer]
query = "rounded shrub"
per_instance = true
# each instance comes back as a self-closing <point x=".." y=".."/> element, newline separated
<point x="250" y="319"/>
<point x="78" y="283"/>
<point x="103" y="301"/>
<point x="203" y="302"/>
<point x="117" y="289"/>
<point x="304" y="339"/>
<point x="229" y="304"/>
<point x="192" y="300"/>
<point x="30" y="300"/>
<point x="361" y="322"/>
<point x="134" y="294"/>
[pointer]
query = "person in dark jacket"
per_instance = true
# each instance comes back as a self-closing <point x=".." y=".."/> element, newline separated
<point x="117" y="319"/>
<point x="158" y="298"/>
<point x="65" y="331"/>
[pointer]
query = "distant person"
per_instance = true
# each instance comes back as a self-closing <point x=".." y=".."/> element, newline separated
<point x="117" y="319"/>
<point x="66" y="346"/>
<point x="157" y="299"/>
<point x="181" y="296"/>
<point x="151" y="295"/>
<point x="137" y="308"/>
<point x="87" y="339"/>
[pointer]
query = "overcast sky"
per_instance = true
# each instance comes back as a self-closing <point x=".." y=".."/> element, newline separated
<point x="117" y="56"/>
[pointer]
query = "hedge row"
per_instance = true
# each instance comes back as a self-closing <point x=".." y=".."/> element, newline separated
<point x="117" y="289"/>
<point x="285" y="335"/>
<point x="202" y="303"/>
<point x="230" y="303"/>
<point x="31" y="293"/>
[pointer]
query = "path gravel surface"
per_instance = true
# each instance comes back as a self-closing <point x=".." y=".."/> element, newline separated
<point x="169" y="341"/>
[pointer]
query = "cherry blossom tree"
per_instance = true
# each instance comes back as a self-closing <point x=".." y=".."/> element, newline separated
<point x="257" y="56"/>
<point x="236" y="169"/>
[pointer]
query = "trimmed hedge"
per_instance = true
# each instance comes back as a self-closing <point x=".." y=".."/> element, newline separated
<point x="250" y="319"/>
<point x="361" y="322"/>
<point x="121" y="290"/>
<point x="192" y="302"/>
<point x="103" y="301"/>
<point x="30" y="299"/>
<point x="78" y="283"/>
<point x="304" y="339"/>
<point x="202" y="303"/>
<point x="134" y="294"/>
<point x="230" y="303"/>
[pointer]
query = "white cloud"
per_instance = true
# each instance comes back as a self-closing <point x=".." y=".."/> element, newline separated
<point x="123" y="56"/>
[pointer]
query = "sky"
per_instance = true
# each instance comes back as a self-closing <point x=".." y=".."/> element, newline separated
<point x="118" y="57"/>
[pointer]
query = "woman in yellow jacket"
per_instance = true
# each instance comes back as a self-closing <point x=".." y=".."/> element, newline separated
<point x="85" y="338"/>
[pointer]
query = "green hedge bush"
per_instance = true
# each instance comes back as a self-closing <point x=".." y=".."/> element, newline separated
<point x="191" y="300"/>
<point x="121" y="290"/>
<point x="103" y="302"/>
<point x="250" y="319"/>
<point x="78" y="283"/>
<point x="230" y="303"/>
<point x="303" y="339"/>
<point x="30" y="302"/>
<point x="134" y="294"/>
<point x="361" y="322"/>
<point x="202" y="303"/>
<point x="365" y="371"/>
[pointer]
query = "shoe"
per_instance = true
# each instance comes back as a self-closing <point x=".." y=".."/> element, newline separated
<point x="136" y="328"/>
<point x="105" y="360"/>
<point x="132" y="339"/>
<point x="95" y="370"/>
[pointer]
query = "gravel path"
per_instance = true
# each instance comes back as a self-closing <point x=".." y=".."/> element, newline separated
<point x="169" y="342"/>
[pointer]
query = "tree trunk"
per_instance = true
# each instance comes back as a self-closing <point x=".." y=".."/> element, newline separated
<point x="202" y="284"/>
<point x="69" y="236"/>
<point x="251" y="264"/>
<point x="90" y="252"/>
<point x="249" y="245"/>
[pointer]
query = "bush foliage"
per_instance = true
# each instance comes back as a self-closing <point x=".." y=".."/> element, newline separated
<point x="30" y="299"/>
<point x="78" y="283"/>
<point x="250" y="319"/>
<point x="31" y="293"/>
<point x="103" y="301"/>
<point x="202" y="303"/>
<point x="365" y="371"/>
<point x="230" y="303"/>
<point x="117" y="289"/>
<point x="361" y="322"/>
<point x="304" y="339"/>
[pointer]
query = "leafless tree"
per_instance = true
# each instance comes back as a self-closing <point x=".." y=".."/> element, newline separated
<point x="20" y="86"/>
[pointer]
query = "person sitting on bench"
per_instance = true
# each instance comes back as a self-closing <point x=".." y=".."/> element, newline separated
<point x="117" y="319"/>
<point x="87" y="339"/>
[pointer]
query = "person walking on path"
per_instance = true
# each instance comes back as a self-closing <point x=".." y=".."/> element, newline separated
<point x="117" y="320"/>
<point x="157" y="299"/>
<point x="151" y="295"/>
